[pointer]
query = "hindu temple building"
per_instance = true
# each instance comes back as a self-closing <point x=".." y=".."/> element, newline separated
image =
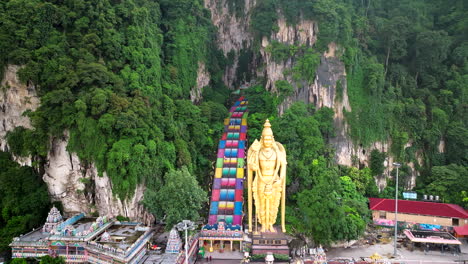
<point x="82" y="239"/>
<point x="174" y="243"/>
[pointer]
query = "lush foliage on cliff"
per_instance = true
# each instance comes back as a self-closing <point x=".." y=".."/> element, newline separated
<point x="117" y="76"/>
<point x="114" y="78"/>
<point x="407" y="81"/>
<point x="406" y="64"/>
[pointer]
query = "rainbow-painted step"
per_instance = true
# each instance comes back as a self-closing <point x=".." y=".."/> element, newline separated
<point x="228" y="184"/>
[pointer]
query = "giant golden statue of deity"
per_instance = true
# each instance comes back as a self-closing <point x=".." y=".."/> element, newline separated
<point x="267" y="160"/>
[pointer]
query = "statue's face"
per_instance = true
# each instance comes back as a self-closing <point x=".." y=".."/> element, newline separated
<point x="268" y="141"/>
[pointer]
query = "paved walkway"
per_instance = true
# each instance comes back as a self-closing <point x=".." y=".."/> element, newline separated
<point x="225" y="255"/>
<point x="406" y="256"/>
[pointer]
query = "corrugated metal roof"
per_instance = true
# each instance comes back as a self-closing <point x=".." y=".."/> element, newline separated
<point x="461" y="230"/>
<point x="418" y="207"/>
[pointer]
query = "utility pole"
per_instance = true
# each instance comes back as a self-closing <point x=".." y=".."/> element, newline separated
<point x="184" y="226"/>
<point x="397" y="165"/>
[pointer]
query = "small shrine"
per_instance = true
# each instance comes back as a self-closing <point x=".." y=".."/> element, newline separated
<point x="106" y="237"/>
<point x="174" y="242"/>
<point x="54" y="218"/>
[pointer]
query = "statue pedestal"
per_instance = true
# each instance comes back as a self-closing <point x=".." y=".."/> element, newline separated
<point x="276" y="243"/>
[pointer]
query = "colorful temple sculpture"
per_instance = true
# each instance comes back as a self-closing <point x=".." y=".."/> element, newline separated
<point x="226" y="210"/>
<point x="54" y="218"/>
<point x="82" y="239"/>
<point x="174" y="243"/>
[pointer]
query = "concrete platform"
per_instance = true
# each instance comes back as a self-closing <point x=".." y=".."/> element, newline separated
<point x="227" y="254"/>
<point x="275" y="242"/>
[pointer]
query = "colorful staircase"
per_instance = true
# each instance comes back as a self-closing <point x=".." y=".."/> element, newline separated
<point x="228" y="185"/>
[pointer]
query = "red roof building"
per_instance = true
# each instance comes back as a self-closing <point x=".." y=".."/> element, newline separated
<point x="461" y="231"/>
<point x="419" y="212"/>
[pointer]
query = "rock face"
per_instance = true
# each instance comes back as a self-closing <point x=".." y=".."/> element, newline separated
<point x="70" y="181"/>
<point x="80" y="189"/>
<point x="304" y="33"/>
<point x="233" y="32"/>
<point x="203" y="79"/>
<point x="15" y="99"/>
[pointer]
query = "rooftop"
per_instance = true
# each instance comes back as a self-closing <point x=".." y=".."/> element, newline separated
<point x="417" y="207"/>
<point x="461" y="230"/>
<point x="120" y="236"/>
<point x="432" y="237"/>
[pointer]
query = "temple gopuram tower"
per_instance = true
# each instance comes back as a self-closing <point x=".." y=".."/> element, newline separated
<point x="54" y="218"/>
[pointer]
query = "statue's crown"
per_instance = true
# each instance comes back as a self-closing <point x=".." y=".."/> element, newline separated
<point x="267" y="129"/>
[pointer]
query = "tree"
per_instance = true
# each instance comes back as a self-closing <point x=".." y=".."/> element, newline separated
<point x="319" y="203"/>
<point x="51" y="260"/>
<point x="355" y="208"/>
<point x="24" y="201"/>
<point x="19" y="261"/>
<point x="363" y="181"/>
<point x="264" y="18"/>
<point x="335" y="199"/>
<point x="457" y="143"/>
<point x="431" y="50"/>
<point x="180" y="198"/>
<point x="448" y="182"/>
<point x="376" y="165"/>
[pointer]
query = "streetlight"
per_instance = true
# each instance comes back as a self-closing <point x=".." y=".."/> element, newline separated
<point x="184" y="226"/>
<point x="397" y="165"/>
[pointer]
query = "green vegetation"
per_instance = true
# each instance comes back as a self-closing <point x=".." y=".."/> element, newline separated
<point x="116" y="76"/>
<point x="278" y="257"/>
<point x="280" y="51"/>
<point x="306" y="66"/>
<point x="369" y="120"/>
<point x="264" y="17"/>
<point x="24" y="202"/>
<point x="180" y="198"/>
<point x="406" y="64"/>
<point x="449" y="182"/>
<point x="405" y="70"/>
<point x="316" y="190"/>
<point x="52" y="260"/>
<point x="43" y="260"/>
<point x="376" y="163"/>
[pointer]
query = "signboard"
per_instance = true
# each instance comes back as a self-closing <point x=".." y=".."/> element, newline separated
<point x="410" y="195"/>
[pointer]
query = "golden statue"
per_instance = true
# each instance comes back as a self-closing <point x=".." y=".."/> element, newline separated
<point x="267" y="158"/>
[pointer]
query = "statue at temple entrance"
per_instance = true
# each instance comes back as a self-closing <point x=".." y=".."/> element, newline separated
<point x="266" y="160"/>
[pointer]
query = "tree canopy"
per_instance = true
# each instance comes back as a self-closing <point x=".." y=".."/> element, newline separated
<point x="180" y="198"/>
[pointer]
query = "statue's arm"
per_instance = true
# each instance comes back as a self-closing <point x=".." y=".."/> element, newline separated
<point x="252" y="162"/>
<point x="282" y="159"/>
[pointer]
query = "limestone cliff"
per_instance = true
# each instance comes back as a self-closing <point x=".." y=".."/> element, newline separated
<point x="80" y="189"/>
<point x="233" y="32"/>
<point x="304" y="33"/>
<point x="69" y="180"/>
<point x="15" y="99"/>
<point x="203" y="79"/>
